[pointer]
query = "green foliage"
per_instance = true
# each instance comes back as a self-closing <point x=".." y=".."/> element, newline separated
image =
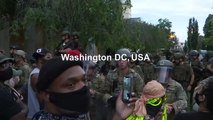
<point x="208" y="31"/>
<point x="7" y="7"/>
<point x="101" y="20"/>
<point x="192" y="39"/>
<point x="165" y="24"/>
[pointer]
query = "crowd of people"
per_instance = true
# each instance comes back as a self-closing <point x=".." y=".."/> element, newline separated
<point x="48" y="88"/>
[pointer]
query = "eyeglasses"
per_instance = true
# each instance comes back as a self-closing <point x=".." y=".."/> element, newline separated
<point x="155" y="101"/>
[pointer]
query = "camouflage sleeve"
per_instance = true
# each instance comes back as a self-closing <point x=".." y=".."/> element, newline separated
<point x="181" y="103"/>
<point x="190" y="70"/>
<point x="138" y="84"/>
<point x="26" y="72"/>
<point x="108" y="88"/>
<point x="139" y="71"/>
<point x="101" y="87"/>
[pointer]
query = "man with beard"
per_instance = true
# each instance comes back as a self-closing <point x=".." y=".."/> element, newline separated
<point x="62" y="90"/>
<point x="41" y="56"/>
<point x="12" y="107"/>
<point x="204" y="98"/>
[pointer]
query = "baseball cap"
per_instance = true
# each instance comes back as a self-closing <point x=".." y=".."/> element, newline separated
<point x="40" y="52"/>
<point x="20" y="53"/>
<point x="4" y="58"/>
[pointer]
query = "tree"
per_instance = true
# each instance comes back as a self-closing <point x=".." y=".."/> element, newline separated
<point x="208" y="32"/>
<point x="101" y="20"/>
<point x="165" y="24"/>
<point x="192" y="39"/>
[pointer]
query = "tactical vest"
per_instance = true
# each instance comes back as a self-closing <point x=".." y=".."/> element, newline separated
<point x="180" y="73"/>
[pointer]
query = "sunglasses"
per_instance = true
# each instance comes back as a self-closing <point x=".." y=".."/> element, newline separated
<point x="155" y="101"/>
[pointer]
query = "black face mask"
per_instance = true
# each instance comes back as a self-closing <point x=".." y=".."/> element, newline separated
<point x="153" y="110"/>
<point x="6" y="74"/>
<point x="77" y="101"/>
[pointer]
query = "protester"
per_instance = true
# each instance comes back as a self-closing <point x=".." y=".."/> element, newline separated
<point x="42" y="55"/>
<point x="62" y="90"/>
<point x="12" y="107"/>
<point x="204" y="98"/>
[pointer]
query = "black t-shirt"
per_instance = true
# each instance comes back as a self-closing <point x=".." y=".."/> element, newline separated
<point x="8" y="105"/>
<point x="195" y="116"/>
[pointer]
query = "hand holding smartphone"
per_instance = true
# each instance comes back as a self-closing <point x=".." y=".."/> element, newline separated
<point x="127" y="89"/>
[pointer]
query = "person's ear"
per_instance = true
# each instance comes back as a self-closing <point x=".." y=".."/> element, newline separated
<point x="43" y="96"/>
<point x="201" y="98"/>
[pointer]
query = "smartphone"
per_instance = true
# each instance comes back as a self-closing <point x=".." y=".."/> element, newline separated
<point x="127" y="89"/>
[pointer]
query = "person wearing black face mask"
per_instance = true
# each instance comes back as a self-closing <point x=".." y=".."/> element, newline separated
<point x="204" y="98"/>
<point x="62" y="90"/>
<point x="11" y="105"/>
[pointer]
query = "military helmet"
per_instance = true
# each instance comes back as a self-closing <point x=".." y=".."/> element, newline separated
<point x="165" y="63"/>
<point x="164" y="69"/>
<point x="178" y="56"/>
<point x="194" y="53"/>
<point x="65" y="32"/>
<point x="123" y="51"/>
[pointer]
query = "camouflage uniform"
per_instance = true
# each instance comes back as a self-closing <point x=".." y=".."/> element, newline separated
<point x="138" y="69"/>
<point x="97" y="111"/>
<point x="149" y="72"/>
<point x="177" y="97"/>
<point x="25" y="75"/>
<point x="182" y="73"/>
<point x="115" y="84"/>
<point x="117" y="76"/>
<point x="175" y="93"/>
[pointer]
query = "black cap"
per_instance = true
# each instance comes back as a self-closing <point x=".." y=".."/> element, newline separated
<point x="52" y="69"/>
<point x="40" y="52"/>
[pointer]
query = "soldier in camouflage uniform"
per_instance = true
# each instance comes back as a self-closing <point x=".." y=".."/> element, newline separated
<point x="196" y="65"/>
<point x="21" y="64"/>
<point x="96" y="83"/>
<point x="148" y="69"/>
<point x="68" y="42"/>
<point x="175" y="94"/>
<point x="183" y="72"/>
<point x="197" y="69"/>
<point x="115" y="80"/>
<point x="134" y="65"/>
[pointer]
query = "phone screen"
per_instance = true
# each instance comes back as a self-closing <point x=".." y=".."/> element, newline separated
<point x="127" y="89"/>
